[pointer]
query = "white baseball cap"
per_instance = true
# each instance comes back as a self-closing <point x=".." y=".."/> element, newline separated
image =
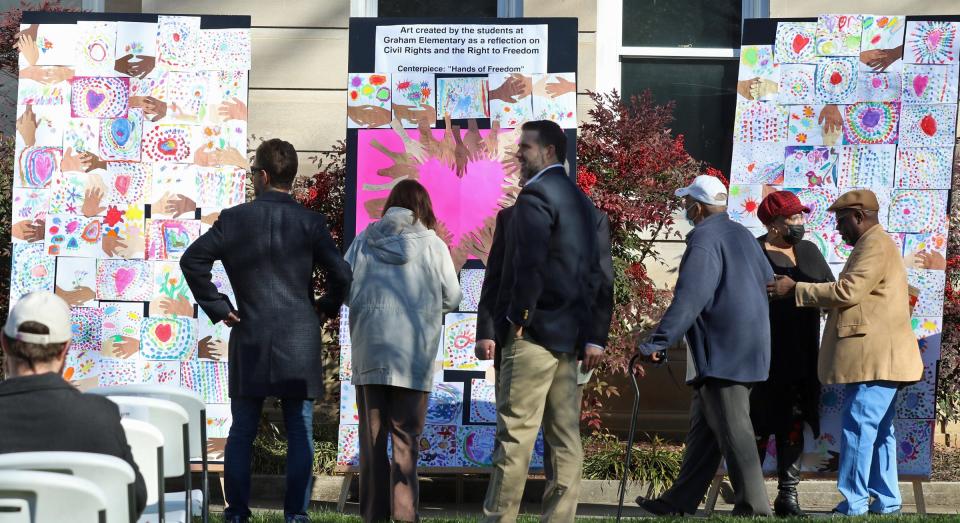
<point x="46" y="309"/>
<point x="705" y="189"/>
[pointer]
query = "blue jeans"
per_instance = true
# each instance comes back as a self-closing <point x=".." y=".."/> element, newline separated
<point x="298" y="418"/>
<point x="868" y="450"/>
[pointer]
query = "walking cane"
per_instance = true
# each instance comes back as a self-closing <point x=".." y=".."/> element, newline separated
<point x="633" y="429"/>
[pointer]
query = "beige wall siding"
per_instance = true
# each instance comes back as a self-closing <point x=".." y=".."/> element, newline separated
<point x="810" y="8"/>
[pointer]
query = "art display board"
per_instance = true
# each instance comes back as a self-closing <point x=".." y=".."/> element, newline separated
<point x="141" y="131"/>
<point x="851" y="113"/>
<point x="452" y="124"/>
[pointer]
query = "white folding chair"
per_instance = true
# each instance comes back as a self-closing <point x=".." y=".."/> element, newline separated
<point x="196" y="410"/>
<point x="146" y="445"/>
<point x="173" y="423"/>
<point x="14" y="511"/>
<point x="114" y="476"/>
<point x="53" y="497"/>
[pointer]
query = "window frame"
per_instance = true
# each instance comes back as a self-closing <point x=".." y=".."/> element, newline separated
<point x="611" y="51"/>
<point x="369" y="8"/>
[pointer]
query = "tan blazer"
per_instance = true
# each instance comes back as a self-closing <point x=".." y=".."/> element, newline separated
<point x="868" y="336"/>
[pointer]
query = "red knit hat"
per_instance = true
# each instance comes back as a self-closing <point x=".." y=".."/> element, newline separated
<point x="780" y="203"/>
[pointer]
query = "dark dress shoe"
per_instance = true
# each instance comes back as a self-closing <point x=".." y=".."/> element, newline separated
<point x="658" y="507"/>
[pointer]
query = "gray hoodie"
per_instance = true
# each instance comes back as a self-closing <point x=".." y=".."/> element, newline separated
<point x="404" y="282"/>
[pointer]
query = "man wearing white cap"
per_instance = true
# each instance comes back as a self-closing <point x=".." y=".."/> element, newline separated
<point x="39" y="410"/>
<point x="720" y="305"/>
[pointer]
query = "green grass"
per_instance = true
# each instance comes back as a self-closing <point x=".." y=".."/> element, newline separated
<point x="333" y="517"/>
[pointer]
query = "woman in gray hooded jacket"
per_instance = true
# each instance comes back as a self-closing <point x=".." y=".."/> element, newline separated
<point x="404" y="282"/>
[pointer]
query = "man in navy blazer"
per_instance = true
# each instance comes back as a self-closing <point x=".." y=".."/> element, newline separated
<point x="270" y="248"/>
<point x="555" y="275"/>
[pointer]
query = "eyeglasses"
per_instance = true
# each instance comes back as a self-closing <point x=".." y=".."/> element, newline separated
<point x="253" y="170"/>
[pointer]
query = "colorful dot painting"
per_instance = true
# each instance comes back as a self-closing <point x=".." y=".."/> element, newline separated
<point x="796" y="84"/>
<point x="445" y="405"/>
<point x="37" y="166"/>
<point x="932" y="42"/>
<point x="836" y="80"/>
<point x="86" y="326"/>
<point x="871" y="122"/>
<point x="120" y="137"/>
<point x="168" y="143"/>
<point x="913" y="210"/>
<point x="168" y="338"/>
<point x="795" y="42"/>
<point x="99" y="97"/>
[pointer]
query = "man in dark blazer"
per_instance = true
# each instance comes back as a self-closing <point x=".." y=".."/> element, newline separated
<point x="270" y="248"/>
<point x="553" y="283"/>
<point x="42" y="412"/>
<point x="491" y="311"/>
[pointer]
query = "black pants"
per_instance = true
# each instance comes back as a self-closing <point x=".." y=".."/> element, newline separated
<point x="720" y="428"/>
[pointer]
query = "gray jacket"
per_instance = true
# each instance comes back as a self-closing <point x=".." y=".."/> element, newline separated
<point x="404" y="282"/>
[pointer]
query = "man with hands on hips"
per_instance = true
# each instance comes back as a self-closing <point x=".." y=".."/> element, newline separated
<point x="720" y="306"/>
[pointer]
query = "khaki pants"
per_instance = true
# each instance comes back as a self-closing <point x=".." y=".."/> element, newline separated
<point x="535" y="386"/>
<point x="390" y="491"/>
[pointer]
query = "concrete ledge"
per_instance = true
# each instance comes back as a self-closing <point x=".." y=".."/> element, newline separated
<point x="940" y="496"/>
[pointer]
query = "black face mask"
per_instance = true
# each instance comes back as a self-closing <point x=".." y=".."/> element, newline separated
<point x="794" y="234"/>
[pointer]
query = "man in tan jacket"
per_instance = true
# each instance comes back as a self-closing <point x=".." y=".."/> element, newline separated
<point x="868" y="345"/>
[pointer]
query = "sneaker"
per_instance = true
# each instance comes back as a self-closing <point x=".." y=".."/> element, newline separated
<point x="657" y="507"/>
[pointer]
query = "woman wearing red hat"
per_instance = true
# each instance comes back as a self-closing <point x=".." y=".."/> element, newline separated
<point x="791" y="395"/>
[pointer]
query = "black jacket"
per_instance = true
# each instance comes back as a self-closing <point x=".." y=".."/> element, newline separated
<point x="497" y="283"/>
<point x="44" y="413"/>
<point x="555" y="263"/>
<point x="270" y="248"/>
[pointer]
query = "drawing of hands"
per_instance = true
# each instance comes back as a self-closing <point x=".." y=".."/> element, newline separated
<point x="231" y="156"/>
<point x="27" y="45"/>
<point x="447" y="143"/>
<point x="745" y="87"/>
<point x="27" y="126"/>
<point x="507" y="143"/>
<point x="832" y="123"/>
<point x="369" y="115"/>
<point x="54" y="75"/>
<point x="135" y="243"/>
<point x="473" y="141"/>
<point x="211" y="218"/>
<point x="400" y="171"/>
<point x="414" y="150"/>
<point x="179" y="205"/>
<point x="205" y="157"/>
<point x="397" y="157"/>
<point x="90" y="162"/>
<point x="154" y="108"/>
<point x="426" y="139"/>
<point x="28" y="230"/>
<point x="211" y="349"/>
<point x="30" y="31"/>
<point x="560" y="87"/>
<point x="461" y="154"/>
<point x="931" y="260"/>
<point x="491" y="142"/>
<point x="70" y="161"/>
<point x="76" y="297"/>
<point x="113" y="245"/>
<point x="417" y="115"/>
<point x="880" y="59"/>
<point x="764" y="87"/>
<point x="180" y="306"/>
<point x="138" y="69"/>
<point x="121" y="347"/>
<point x="92" y="198"/>
<point x="515" y="88"/>
<point x="233" y="109"/>
<point x="540" y="87"/>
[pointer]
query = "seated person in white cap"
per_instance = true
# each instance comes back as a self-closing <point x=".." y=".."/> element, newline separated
<point x="39" y="410"/>
<point x="720" y="306"/>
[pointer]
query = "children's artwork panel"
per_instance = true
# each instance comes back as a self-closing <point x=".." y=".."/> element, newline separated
<point x="760" y="122"/>
<point x="795" y="43"/>
<point x="757" y="163"/>
<point x="839" y="35"/>
<point x="744" y="201"/>
<point x="928" y="125"/>
<point x="931" y="42"/>
<point x="463" y="97"/>
<point x="471" y="284"/>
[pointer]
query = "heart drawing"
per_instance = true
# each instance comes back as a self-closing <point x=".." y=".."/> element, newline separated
<point x="163" y="332"/>
<point x="799" y="43"/>
<point x="920" y="83"/>
<point x="123" y="278"/>
<point x="928" y="124"/>
<point x="122" y="183"/>
<point x="94" y="100"/>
